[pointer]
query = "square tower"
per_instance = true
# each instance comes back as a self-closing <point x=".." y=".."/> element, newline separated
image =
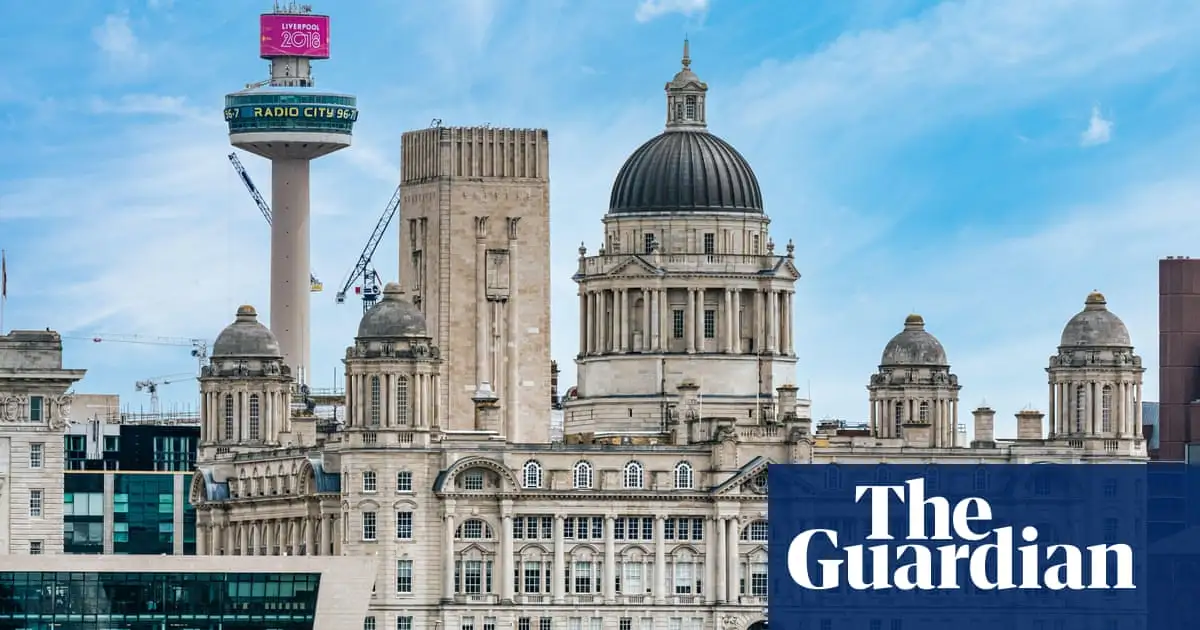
<point x="475" y="258"/>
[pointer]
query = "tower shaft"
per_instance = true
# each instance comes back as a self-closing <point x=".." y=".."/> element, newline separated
<point x="290" y="291"/>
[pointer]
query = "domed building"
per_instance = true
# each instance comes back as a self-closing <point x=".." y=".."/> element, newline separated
<point x="651" y="512"/>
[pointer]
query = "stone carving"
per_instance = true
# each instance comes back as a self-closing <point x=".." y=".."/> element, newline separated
<point x="731" y="622"/>
<point x="60" y="411"/>
<point x="13" y="407"/>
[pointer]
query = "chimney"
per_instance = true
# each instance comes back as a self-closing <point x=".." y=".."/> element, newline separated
<point x="487" y="408"/>
<point x="985" y="428"/>
<point x="786" y="401"/>
<point x="1029" y="425"/>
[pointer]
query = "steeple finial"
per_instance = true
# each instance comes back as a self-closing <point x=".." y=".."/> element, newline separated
<point x="687" y="55"/>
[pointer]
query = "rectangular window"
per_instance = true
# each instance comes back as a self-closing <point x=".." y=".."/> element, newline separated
<point x="626" y="623"/>
<point x="533" y="578"/>
<point x="683" y="578"/>
<point x="597" y="623"/>
<point x="489" y="623"/>
<point x="404" y="481"/>
<point x="36" y="455"/>
<point x="35" y="547"/>
<point x="758" y="579"/>
<point x="648" y="240"/>
<point x="404" y="525"/>
<point x="710" y="324"/>
<point x="677" y="323"/>
<point x="575" y="623"/>
<point x="368" y="526"/>
<point x="632" y="580"/>
<point x="404" y="622"/>
<point x="36" y="408"/>
<point x="647" y="623"/>
<point x="404" y="577"/>
<point x="35" y="503"/>
<point x="369" y="623"/>
<point x="546" y="623"/>
<point x="710" y="243"/>
<point x="754" y="245"/>
<point x="467" y="623"/>
<point x="524" y="623"/>
<point x="473" y="481"/>
<point x="370" y="484"/>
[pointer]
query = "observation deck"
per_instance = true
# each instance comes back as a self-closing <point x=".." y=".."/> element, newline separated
<point x="287" y="123"/>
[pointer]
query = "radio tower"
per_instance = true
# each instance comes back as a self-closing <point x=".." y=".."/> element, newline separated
<point x="286" y="120"/>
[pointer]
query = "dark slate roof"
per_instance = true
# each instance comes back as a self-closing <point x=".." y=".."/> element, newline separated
<point x="686" y="170"/>
<point x="325" y="481"/>
<point x="213" y="490"/>
<point x="914" y="346"/>
<point x="1095" y="326"/>
<point x="246" y="337"/>
<point x="392" y="317"/>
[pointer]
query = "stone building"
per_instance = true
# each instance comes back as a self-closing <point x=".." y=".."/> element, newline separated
<point x="650" y="514"/>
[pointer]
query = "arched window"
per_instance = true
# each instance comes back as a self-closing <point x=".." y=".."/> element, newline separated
<point x="532" y="475"/>
<point x="923" y="411"/>
<point x="1106" y="409"/>
<point x="634" y="476"/>
<point x="376" y="396"/>
<point x="229" y="427"/>
<point x="582" y="476"/>
<point x="473" y="529"/>
<point x="255" y="419"/>
<point x="684" y="479"/>
<point x="402" y="400"/>
<point x="1080" y="407"/>
<point x="755" y="531"/>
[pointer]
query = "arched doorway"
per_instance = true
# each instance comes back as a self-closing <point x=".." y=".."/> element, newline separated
<point x="758" y="625"/>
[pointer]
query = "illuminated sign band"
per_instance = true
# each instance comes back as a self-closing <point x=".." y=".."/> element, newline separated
<point x="303" y="112"/>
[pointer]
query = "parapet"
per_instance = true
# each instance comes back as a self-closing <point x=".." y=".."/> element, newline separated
<point x="476" y="152"/>
<point x="31" y="350"/>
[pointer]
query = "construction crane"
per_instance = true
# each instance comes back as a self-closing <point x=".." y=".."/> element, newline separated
<point x="199" y="346"/>
<point x="315" y="285"/>
<point x="370" y="289"/>
<point x="151" y="386"/>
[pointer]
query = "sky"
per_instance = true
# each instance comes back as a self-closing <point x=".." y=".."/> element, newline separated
<point x="985" y="164"/>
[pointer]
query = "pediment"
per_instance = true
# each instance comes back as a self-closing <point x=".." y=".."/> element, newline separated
<point x="634" y="266"/>
<point x="785" y="268"/>
<point x="745" y="480"/>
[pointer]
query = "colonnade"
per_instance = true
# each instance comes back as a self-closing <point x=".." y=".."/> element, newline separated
<point x="613" y="321"/>
<point x="293" y="536"/>
<point x="402" y="400"/>
<point x="231" y="408"/>
<point x="891" y="410"/>
<point x="1096" y="407"/>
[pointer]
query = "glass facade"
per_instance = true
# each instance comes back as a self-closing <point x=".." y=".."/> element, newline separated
<point x="144" y="514"/>
<point x="83" y="513"/>
<point x="157" y="601"/>
<point x="265" y="111"/>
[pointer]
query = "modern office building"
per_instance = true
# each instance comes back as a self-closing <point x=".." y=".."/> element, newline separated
<point x="152" y="593"/>
<point x="1178" y="357"/>
<point x="650" y="514"/>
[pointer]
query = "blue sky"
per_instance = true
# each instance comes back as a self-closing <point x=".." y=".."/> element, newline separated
<point x="983" y="163"/>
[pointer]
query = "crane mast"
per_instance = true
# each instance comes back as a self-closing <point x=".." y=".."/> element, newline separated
<point x="315" y="285"/>
<point x="362" y="269"/>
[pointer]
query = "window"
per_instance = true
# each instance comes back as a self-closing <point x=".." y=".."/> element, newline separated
<point x="634" y="476"/>
<point x="754" y="245"/>
<point x="254" y="418"/>
<point x="981" y="480"/>
<point x="1080" y="407"/>
<point x="404" y="525"/>
<point x="756" y="531"/>
<point x="36" y="455"/>
<point x="473" y="577"/>
<point x="404" y="481"/>
<point x="546" y="623"/>
<point x="404" y="622"/>
<point x="710" y="243"/>
<point x="683" y="476"/>
<point x="683" y="528"/>
<point x="1106" y="400"/>
<point x="35" y="503"/>
<point x="758" y="579"/>
<point x="402" y="401"/>
<point x="584" y="579"/>
<point x="633" y="528"/>
<point x="368" y="526"/>
<point x="532" y="477"/>
<point x="923" y="412"/>
<point x="35" y="547"/>
<point x="376" y="399"/>
<point x="710" y="324"/>
<point x="489" y="623"/>
<point x="467" y="623"/>
<point x="690" y="107"/>
<point x="648" y="240"/>
<point x="677" y="323"/>
<point x="684" y="577"/>
<point x="369" y="623"/>
<point x="524" y="623"/>
<point x="532" y="582"/>
<point x="229" y="428"/>
<point x="583" y="528"/>
<point x="625" y="623"/>
<point x="533" y="528"/>
<point x="474" y="529"/>
<point x="370" y="482"/>
<point x="583" y="476"/>
<point x="1110" y="530"/>
<point x="404" y="578"/>
<point x="36" y="406"/>
<point x="473" y="480"/>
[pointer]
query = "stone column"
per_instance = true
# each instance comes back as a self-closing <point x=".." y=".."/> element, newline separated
<point x="722" y="557"/>
<point x="610" y="560"/>
<point x="1053" y="415"/>
<point x="726" y="323"/>
<point x="655" y="304"/>
<point x="1137" y="409"/>
<point x="660" y="560"/>
<point x="310" y="537"/>
<point x="506" y="565"/>
<point x="731" y="541"/>
<point x="622" y="320"/>
<point x="645" y="346"/>
<point x="664" y="319"/>
<point x="583" y="342"/>
<point x="201" y="536"/>
<point x="558" y="574"/>
<point x="447" y="558"/>
<point x="771" y="296"/>
<point x="699" y="319"/>
<point x="737" y="320"/>
<point x="689" y="321"/>
<point x="482" y="337"/>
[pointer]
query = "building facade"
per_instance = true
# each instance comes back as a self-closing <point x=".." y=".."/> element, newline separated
<point x="650" y="514"/>
<point x="1178" y="357"/>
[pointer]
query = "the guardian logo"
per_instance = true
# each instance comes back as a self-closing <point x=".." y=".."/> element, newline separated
<point x="986" y="557"/>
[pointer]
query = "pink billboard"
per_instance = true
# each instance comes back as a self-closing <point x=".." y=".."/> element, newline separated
<point x="287" y="35"/>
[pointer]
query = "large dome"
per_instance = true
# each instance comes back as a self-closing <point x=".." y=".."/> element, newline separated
<point x="1095" y="326"/>
<point x="246" y="337"/>
<point x="685" y="170"/>
<point x="914" y="346"/>
<point x="393" y="317"/>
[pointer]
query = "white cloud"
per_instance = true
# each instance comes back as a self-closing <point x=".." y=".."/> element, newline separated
<point x="1099" y="130"/>
<point x="120" y="46"/>
<point x="648" y="10"/>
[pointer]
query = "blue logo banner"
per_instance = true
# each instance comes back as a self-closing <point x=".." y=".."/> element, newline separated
<point x="968" y="547"/>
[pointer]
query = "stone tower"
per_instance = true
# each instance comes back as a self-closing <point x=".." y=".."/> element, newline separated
<point x="245" y="390"/>
<point x="914" y="395"/>
<point x="1095" y="379"/>
<point x="474" y="256"/>
<point x="686" y="289"/>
